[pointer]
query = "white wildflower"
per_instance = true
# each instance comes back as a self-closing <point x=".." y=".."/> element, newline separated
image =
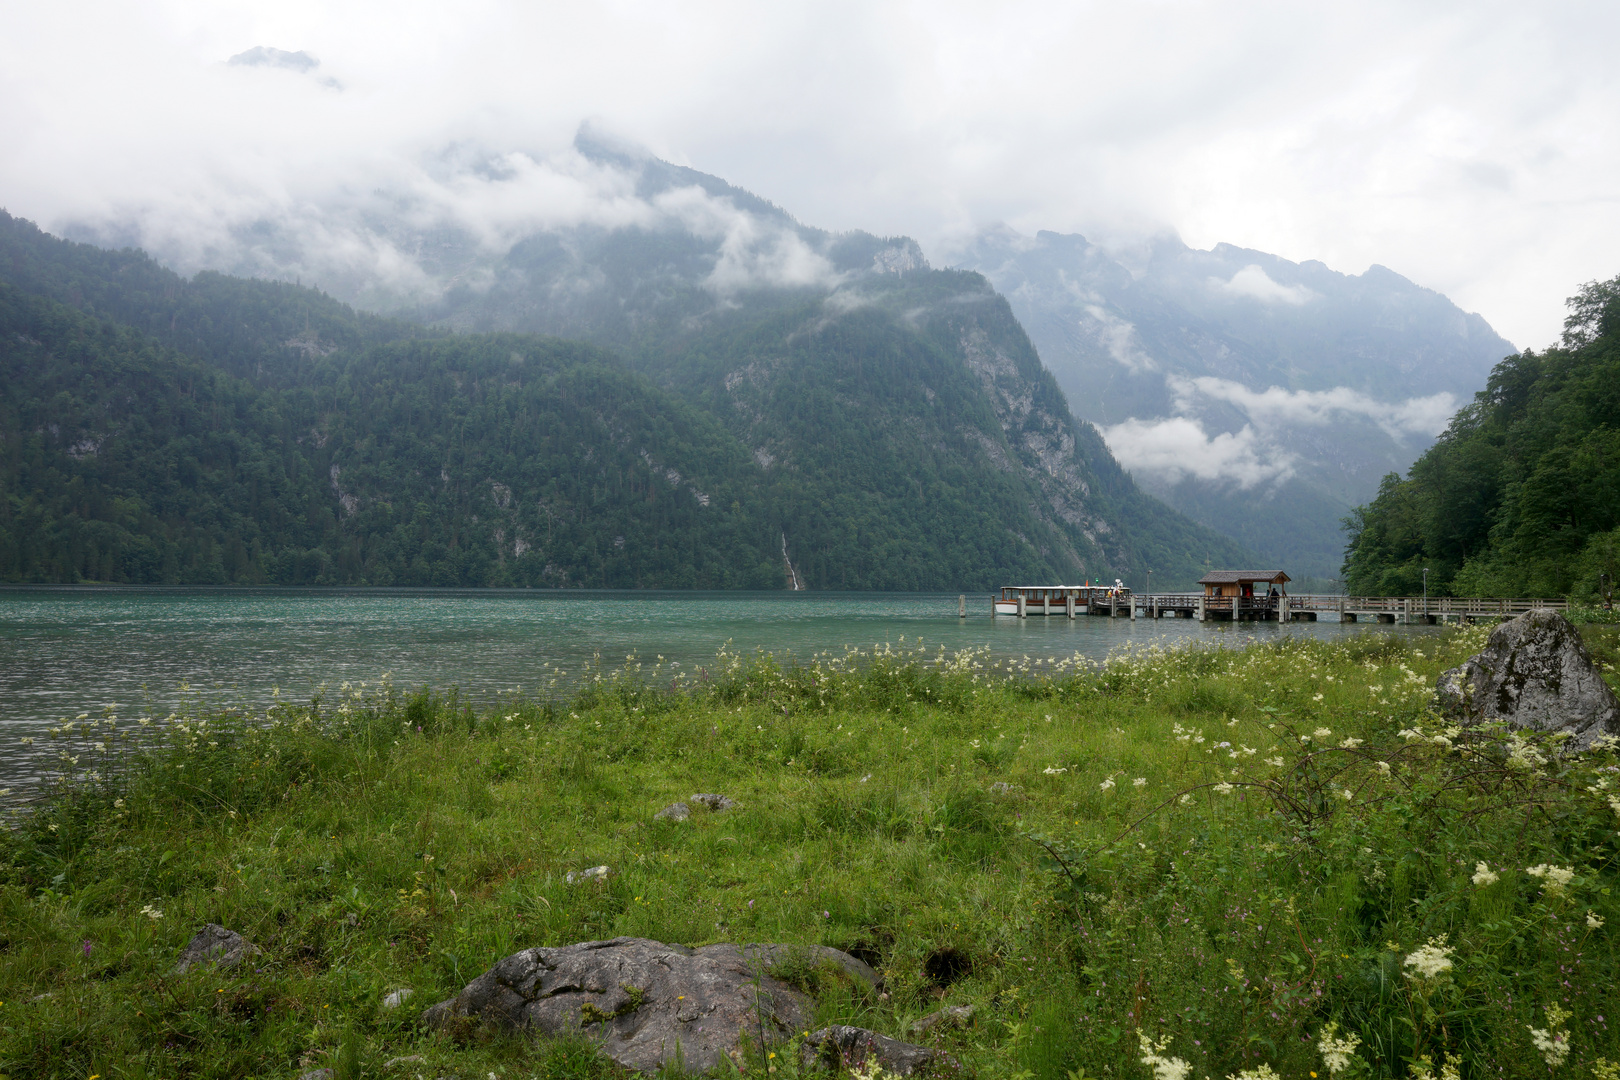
<point x="1349" y="744"/>
<point x="1556" y="877"/>
<point x="1594" y="920"/>
<point x="1140" y="781"/>
<point x="1429" y="961"/>
<point x="1053" y="770"/>
<point x="1523" y="754"/>
<point x="1164" y="1068"/>
<point x="1261" y="1072"/>
<point x="1223" y="788"/>
<point x="1316" y="697"/>
<point x="1322" y="732"/>
<point x="1552" y="1041"/>
<point x="1107" y="783"/>
<point x="1276" y="761"/>
<point x="1484" y="875"/>
<point x="1336" y="1053"/>
<point x="151" y="913"/>
<point x="1383" y="768"/>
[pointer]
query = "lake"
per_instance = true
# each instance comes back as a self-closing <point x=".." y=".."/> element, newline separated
<point x="72" y="649"/>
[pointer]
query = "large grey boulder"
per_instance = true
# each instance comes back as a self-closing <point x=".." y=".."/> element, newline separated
<point x="842" y="1046"/>
<point x="648" y="1004"/>
<point x="214" y="945"/>
<point x="1535" y="674"/>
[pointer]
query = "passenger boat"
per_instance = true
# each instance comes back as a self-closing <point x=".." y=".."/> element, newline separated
<point x="1070" y="600"/>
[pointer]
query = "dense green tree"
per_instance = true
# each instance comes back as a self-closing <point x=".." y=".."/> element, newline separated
<point x="1521" y="495"/>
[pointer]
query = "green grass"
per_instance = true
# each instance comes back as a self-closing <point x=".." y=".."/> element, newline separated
<point x="373" y="839"/>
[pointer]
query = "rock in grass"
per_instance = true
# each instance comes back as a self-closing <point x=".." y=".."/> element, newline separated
<point x="595" y="873"/>
<point x="401" y="1062"/>
<point x="214" y="945"/>
<point x="949" y="1016"/>
<point x="715" y="803"/>
<point x="1535" y="674"/>
<point x="843" y="1047"/>
<point x="674" y="812"/>
<point x="646" y="1005"/>
<point x="317" y="1074"/>
<point x="792" y="963"/>
<point x="398" y="998"/>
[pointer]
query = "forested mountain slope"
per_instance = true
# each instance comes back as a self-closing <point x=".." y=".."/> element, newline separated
<point x="1521" y="495"/>
<point x="868" y="423"/>
<point x="873" y="459"/>
<point x="804" y="343"/>
<point x="474" y="461"/>
<point x="263" y="330"/>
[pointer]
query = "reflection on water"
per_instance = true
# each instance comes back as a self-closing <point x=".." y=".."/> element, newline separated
<point x="69" y="650"/>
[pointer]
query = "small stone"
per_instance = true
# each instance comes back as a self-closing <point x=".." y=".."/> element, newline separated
<point x="215" y="945"/>
<point x="401" y="1062"/>
<point x="715" y="803"/>
<point x="949" y="1016"/>
<point x="843" y="1047"/>
<point x="595" y="873"/>
<point x="398" y="998"/>
<point x="674" y="812"/>
<point x="317" y="1074"/>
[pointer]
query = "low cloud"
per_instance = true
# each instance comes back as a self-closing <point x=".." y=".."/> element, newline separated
<point x="1118" y="336"/>
<point x="265" y="56"/>
<point x="385" y="238"/>
<point x="754" y="252"/>
<point x="1253" y="283"/>
<point x="1276" y="407"/>
<point x="1178" y="448"/>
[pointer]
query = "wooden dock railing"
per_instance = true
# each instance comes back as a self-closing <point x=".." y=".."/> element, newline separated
<point x="1404" y="609"/>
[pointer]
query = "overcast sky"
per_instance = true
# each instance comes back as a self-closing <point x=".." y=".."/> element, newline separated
<point x="1473" y="147"/>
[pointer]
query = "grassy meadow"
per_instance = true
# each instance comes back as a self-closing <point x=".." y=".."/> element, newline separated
<point x="1266" y="862"/>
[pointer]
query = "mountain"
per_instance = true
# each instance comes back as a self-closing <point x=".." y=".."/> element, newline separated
<point x="1261" y="397"/>
<point x="1521" y="495"/>
<point x="888" y="431"/>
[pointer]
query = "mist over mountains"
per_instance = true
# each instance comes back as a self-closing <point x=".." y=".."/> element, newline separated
<point x="781" y="408"/>
<point x="1262" y="397"/>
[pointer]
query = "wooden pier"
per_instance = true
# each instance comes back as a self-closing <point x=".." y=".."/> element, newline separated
<point x="1308" y="607"/>
<point x="1251" y="596"/>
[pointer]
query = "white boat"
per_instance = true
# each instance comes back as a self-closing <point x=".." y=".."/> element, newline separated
<point x="1069" y="600"/>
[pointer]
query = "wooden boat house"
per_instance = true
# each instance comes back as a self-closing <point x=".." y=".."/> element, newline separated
<point x="1244" y="594"/>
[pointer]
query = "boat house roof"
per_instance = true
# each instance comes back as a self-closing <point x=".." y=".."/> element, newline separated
<point x="1244" y="577"/>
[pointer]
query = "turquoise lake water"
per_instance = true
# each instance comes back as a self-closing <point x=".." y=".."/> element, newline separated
<point x="67" y="650"/>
